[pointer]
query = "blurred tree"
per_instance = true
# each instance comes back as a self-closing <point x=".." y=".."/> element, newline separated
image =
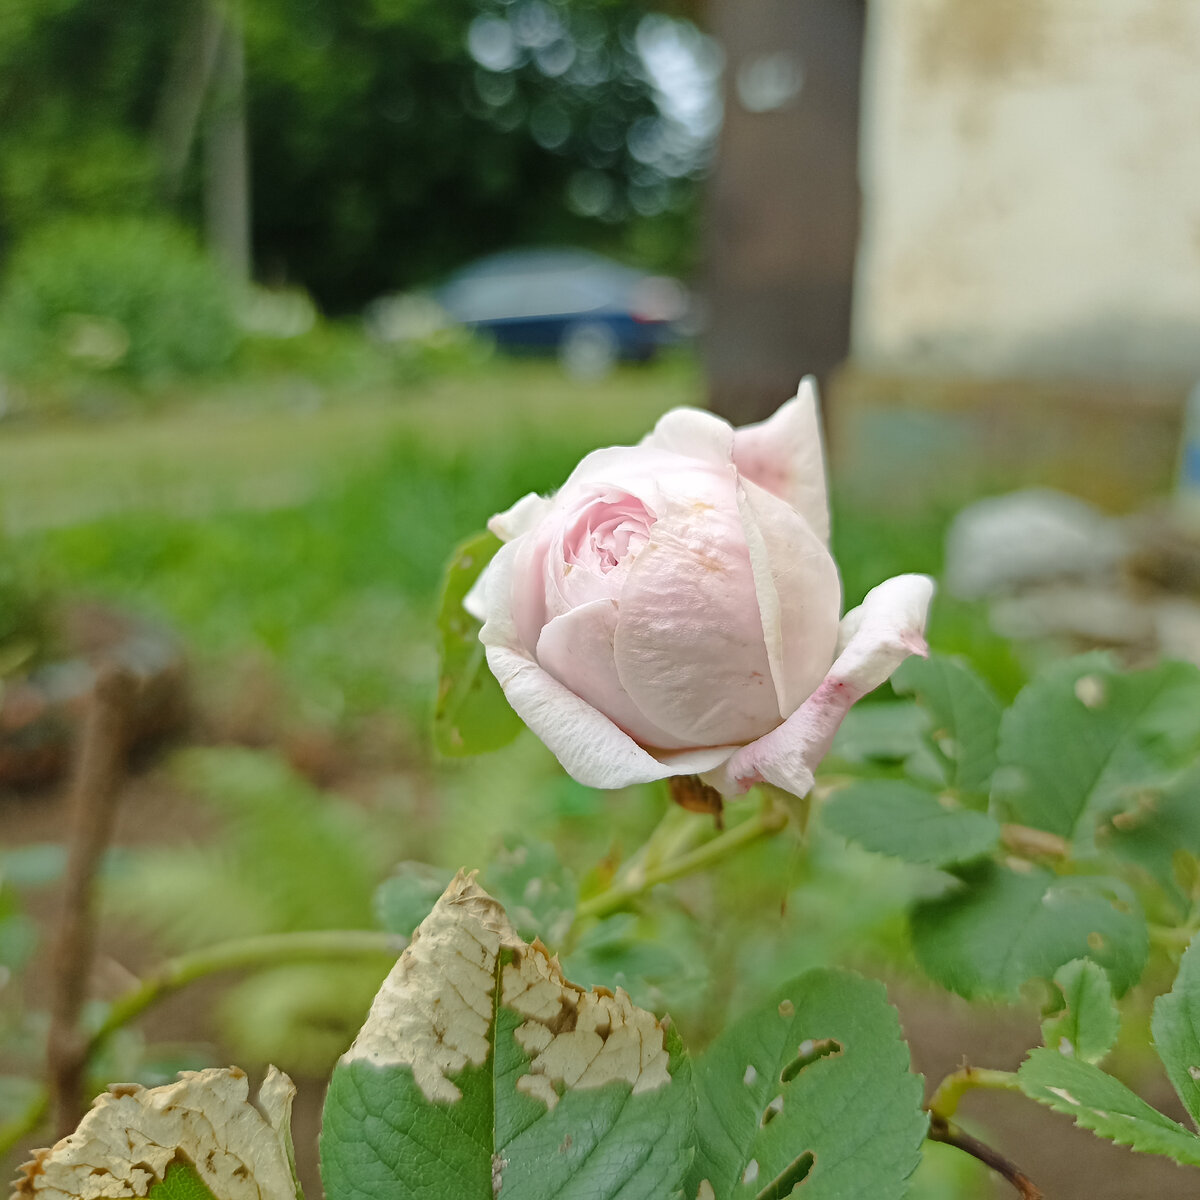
<point x="388" y="139"/>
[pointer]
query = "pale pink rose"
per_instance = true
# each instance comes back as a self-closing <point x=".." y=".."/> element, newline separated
<point x="673" y="608"/>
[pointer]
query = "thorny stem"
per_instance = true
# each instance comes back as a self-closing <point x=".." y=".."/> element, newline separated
<point x="941" y="1130"/>
<point x="951" y="1090"/>
<point x="769" y="820"/>
<point x="241" y="954"/>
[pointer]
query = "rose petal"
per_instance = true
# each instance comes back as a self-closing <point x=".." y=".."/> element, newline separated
<point x="693" y="433"/>
<point x="878" y="635"/>
<point x="591" y="748"/>
<point x="689" y="644"/>
<point x="882" y="632"/>
<point x="784" y="455"/>
<point x="798" y="590"/>
<point x="577" y="649"/>
<point x="475" y="601"/>
<point x="521" y="518"/>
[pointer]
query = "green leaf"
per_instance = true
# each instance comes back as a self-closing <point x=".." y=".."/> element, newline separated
<point x="1083" y="740"/>
<point x="1176" y="1029"/>
<point x="181" y="1182"/>
<point x="814" y="1086"/>
<point x="1086" y="1025"/>
<point x="907" y="822"/>
<point x="1104" y="1105"/>
<point x="403" y="900"/>
<point x="879" y="732"/>
<point x="471" y="715"/>
<point x="998" y="928"/>
<point x="1164" y="824"/>
<point x="966" y="719"/>
<point x="537" y="891"/>
<point x="480" y="1071"/>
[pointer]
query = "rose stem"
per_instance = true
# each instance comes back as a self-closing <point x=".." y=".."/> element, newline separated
<point x="941" y="1130"/>
<point x="769" y="820"/>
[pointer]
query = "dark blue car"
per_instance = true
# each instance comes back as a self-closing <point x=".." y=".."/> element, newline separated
<point x="585" y="308"/>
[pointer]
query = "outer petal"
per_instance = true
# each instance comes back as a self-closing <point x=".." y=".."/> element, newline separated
<point x="693" y="433"/>
<point x="799" y="593"/>
<point x="577" y="649"/>
<point x="882" y="632"/>
<point x="592" y="749"/>
<point x="784" y="455"/>
<point x="521" y="518"/>
<point x="689" y="644"/>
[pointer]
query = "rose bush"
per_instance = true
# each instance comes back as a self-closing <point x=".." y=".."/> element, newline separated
<point x="674" y="608"/>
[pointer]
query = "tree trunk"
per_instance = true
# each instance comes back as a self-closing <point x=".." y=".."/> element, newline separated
<point x="783" y="202"/>
<point x="182" y="99"/>
<point x="227" y="167"/>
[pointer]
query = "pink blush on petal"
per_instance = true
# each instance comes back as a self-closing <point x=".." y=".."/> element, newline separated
<point x="607" y="531"/>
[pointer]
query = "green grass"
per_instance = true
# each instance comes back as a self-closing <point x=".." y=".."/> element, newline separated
<point x="314" y="537"/>
<point x="244" y="448"/>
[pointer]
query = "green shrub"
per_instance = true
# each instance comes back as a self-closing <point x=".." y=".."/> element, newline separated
<point x="124" y="295"/>
<point x="24" y="632"/>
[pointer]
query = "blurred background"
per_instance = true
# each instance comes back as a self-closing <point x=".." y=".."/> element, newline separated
<point x="294" y="294"/>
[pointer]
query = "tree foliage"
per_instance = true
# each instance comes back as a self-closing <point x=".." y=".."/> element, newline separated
<point x="389" y="139"/>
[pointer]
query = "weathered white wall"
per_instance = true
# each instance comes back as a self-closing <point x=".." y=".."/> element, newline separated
<point x="1031" y="176"/>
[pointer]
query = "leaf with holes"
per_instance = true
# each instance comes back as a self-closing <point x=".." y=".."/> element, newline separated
<point x="1176" y="1029"/>
<point x="1083" y="741"/>
<point x="471" y="715"/>
<point x="965" y="721"/>
<point x="1086" y="1024"/>
<point x="1105" y="1106"/>
<point x="198" y="1138"/>
<point x="814" y="1087"/>
<point x="895" y="818"/>
<point x="998" y="928"/>
<point x="480" y="1071"/>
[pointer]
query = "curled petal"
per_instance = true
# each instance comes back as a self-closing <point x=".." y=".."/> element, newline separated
<point x="784" y="455"/>
<point x="879" y="635"/>
<point x="522" y="517"/>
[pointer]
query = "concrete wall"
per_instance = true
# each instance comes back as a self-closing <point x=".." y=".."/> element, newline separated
<point x="1031" y="179"/>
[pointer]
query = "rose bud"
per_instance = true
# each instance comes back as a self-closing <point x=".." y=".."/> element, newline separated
<point x="673" y="608"/>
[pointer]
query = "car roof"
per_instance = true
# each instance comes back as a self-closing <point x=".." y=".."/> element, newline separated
<point x="543" y="259"/>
